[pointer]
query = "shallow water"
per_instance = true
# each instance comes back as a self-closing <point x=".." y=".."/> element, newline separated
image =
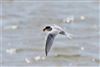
<point x="23" y="40"/>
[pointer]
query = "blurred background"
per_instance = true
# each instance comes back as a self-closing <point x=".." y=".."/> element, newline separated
<point x="23" y="41"/>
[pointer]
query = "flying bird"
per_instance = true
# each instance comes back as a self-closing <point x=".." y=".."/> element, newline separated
<point x="52" y="32"/>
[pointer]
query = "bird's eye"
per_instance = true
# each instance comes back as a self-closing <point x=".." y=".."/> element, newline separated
<point x="48" y="28"/>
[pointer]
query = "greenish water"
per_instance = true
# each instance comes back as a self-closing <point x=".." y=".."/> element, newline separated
<point x="23" y="40"/>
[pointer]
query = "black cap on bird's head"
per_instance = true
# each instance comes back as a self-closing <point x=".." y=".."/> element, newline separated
<point x="48" y="28"/>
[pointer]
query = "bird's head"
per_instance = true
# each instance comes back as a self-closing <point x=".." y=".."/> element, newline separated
<point x="47" y="28"/>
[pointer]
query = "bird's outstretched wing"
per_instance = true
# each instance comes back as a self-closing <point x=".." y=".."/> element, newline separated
<point x="49" y="42"/>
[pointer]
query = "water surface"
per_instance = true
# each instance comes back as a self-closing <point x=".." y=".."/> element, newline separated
<point x="23" y="40"/>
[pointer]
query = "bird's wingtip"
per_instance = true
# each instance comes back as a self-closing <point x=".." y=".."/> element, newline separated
<point x="46" y="54"/>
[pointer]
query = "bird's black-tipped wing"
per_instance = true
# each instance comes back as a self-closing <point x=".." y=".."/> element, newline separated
<point x="49" y="42"/>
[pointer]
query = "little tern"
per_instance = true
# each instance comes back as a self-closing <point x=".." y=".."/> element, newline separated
<point x="52" y="32"/>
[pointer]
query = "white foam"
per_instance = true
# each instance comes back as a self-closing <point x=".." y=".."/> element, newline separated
<point x="27" y="60"/>
<point x="82" y="17"/>
<point x="43" y="58"/>
<point x="82" y="48"/>
<point x="11" y="50"/>
<point x="69" y="19"/>
<point x="37" y="58"/>
<point x="13" y="27"/>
